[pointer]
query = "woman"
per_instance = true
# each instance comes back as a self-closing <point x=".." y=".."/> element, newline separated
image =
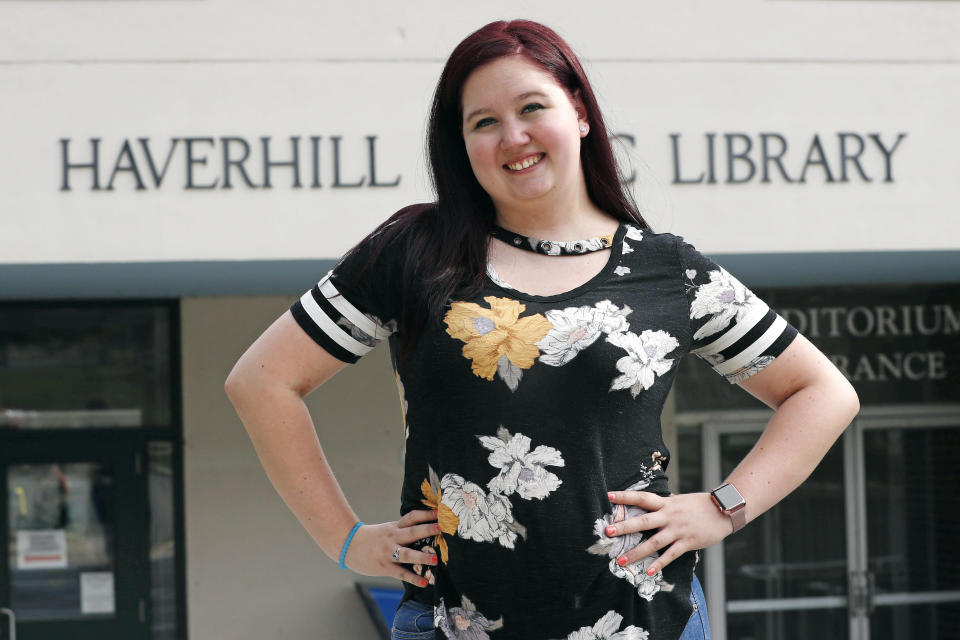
<point x="533" y="374"/>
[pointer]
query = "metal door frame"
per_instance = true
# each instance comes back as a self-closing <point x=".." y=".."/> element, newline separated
<point x="714" y="424"/>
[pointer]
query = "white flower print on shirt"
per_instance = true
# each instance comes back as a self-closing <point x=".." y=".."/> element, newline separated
<point x="611" y="318"/>
<point x="483" y="517"/>
<point x="724" y="298"/>
<point x="626" y="248"/>
<point x="521" y="471"/>
<point x="464" y="622"/>
<point x="645" y="359"/>
<point x="634" y="233"/>
<point x="622" y="270"/>
<point x="636" y="574"/>
<point x="495" y="277"/>
<point x="576" y="328"/>
<point x="606" y="629"/>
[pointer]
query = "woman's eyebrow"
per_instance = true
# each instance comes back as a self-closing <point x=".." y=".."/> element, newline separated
<point x="522" y="96"/>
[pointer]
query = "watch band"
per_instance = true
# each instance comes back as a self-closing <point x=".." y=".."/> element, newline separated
<point x="739" y="518"/>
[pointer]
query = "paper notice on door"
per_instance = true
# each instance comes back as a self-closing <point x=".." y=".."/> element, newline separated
<point x="42" y="549"/>
<point x="96" y="592"/>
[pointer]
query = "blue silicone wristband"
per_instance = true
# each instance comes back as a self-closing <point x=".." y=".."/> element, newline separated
<point x="343" y="552"/>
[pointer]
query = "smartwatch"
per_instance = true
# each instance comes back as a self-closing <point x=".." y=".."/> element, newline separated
<point x="731" y="503"/>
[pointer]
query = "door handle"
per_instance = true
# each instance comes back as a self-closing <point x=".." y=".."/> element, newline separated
<point x="13" y="622"/>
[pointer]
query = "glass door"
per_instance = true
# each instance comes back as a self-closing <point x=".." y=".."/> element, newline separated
<point x="785" y="575"/>
<point x="865" y="549"/>
<point x="75" y="567"/>
<point x="911" y="525"/>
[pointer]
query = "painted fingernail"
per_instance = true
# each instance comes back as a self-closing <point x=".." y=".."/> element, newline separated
<point x="433" y="559"/>
<point x="435" y="512"/>
<point x="622" y="560"/>
<point x="423" y="582"/>
<point x="610" y="495"/>
<point x="610" y="530"/>
<point x="437" y="527"/>
<point x="651" y="571"/>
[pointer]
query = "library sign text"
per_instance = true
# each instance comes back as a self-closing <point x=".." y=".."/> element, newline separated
<point x="315" y="161"/>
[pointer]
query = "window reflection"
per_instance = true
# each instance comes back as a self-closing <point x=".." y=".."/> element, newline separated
<point x="72" y="367"/>
<point x="61" y="540"/>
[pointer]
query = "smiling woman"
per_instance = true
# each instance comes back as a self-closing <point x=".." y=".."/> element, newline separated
<point x="524" y="148"/>
<point x="536" y="324"/>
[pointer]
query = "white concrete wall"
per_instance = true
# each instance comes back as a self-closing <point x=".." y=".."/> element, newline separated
<point x="252" y="570"/>
<point x="156" y="69"/>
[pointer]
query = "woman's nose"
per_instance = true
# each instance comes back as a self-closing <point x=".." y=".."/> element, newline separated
<point x="513" y="134"/>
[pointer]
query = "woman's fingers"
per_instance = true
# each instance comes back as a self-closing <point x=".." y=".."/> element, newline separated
<point x="646" y="548"/>
<point x="418" y="532"/>
<point x="409" y="576"/>
<point x="407" y="555"/>
<point x="645" y="499"/>
<point x="651" y="520"/>
<point x="417" y="516"/>
<point x="673" y="552"/>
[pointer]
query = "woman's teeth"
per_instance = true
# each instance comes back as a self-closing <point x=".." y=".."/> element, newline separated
<point x="523" y="164"/>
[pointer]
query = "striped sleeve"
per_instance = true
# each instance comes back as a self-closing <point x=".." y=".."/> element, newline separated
<point x="732" y="329"/>
<point x="352" y="308"/>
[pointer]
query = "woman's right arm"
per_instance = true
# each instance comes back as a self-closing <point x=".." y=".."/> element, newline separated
<point x="267" y="386"/>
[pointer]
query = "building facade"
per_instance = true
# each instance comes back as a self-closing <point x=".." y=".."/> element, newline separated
<point x="175" y="174"/>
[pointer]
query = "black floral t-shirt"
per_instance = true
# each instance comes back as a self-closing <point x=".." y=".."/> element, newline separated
<point x="523" y="411"/>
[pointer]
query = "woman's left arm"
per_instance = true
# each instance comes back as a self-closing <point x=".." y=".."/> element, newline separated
<point x="813" y="404"/>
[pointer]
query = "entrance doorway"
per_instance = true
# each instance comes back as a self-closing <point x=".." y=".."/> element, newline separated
<point x="76" y="529"/>
<point x="864" y="549"/>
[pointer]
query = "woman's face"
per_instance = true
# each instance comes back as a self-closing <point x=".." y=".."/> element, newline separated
<point x="522" y="133"/>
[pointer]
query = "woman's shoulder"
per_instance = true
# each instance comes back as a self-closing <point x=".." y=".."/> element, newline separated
<point x="649" y="242"/>
<point x="396" y="235"/>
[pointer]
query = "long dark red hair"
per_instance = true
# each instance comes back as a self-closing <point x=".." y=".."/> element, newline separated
<point x="446" y="241"/>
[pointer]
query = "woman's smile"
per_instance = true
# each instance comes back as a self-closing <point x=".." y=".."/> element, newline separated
<point x="527" y="162"/>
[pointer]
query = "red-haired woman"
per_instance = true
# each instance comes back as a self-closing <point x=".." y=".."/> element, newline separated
<point x="535" y="323"/>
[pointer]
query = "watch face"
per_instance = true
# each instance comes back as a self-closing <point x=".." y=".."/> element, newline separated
<point x="729" y="497"/>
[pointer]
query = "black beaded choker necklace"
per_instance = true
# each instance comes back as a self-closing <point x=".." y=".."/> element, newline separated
<point x="552" y="247"/>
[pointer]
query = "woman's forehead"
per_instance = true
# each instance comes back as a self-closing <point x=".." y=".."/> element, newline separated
<point x="513" y="78"/>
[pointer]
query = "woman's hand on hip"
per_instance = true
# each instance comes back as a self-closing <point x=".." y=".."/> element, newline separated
<point x="374" y="549"/>
<point x="686" y="521"/>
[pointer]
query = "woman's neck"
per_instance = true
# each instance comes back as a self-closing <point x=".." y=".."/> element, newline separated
<point x="569" y="221"/>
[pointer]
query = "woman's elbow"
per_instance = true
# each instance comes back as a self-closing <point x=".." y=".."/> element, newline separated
<point x="846" y="400"/>
<point x="853" y="401"/>
<point x="234" y="384"/>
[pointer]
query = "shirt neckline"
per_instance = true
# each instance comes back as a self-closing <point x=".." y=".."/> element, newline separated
<point x="616" y="251"/>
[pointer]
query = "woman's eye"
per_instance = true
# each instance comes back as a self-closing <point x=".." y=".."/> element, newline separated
<point x="533" y="106"/>
<point x="482" y="122"/>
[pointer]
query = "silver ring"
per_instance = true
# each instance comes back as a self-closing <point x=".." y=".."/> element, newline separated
<point x="396" y="555"/>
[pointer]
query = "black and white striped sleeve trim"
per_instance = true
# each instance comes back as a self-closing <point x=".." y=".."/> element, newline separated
<point x="335" y="324"/>
<point x="749" y="345"/>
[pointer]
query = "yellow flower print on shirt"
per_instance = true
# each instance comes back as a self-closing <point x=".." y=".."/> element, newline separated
<point x="446" y="518"/>
<point x="497" y="339"/>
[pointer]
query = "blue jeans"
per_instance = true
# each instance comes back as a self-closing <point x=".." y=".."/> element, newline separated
<point x="414" y="621"/>
<point x="698" y="627"/>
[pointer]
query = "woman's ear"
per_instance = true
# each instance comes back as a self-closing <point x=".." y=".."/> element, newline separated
<point x="583" y="122"/>
<point x="578" y="105"/>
